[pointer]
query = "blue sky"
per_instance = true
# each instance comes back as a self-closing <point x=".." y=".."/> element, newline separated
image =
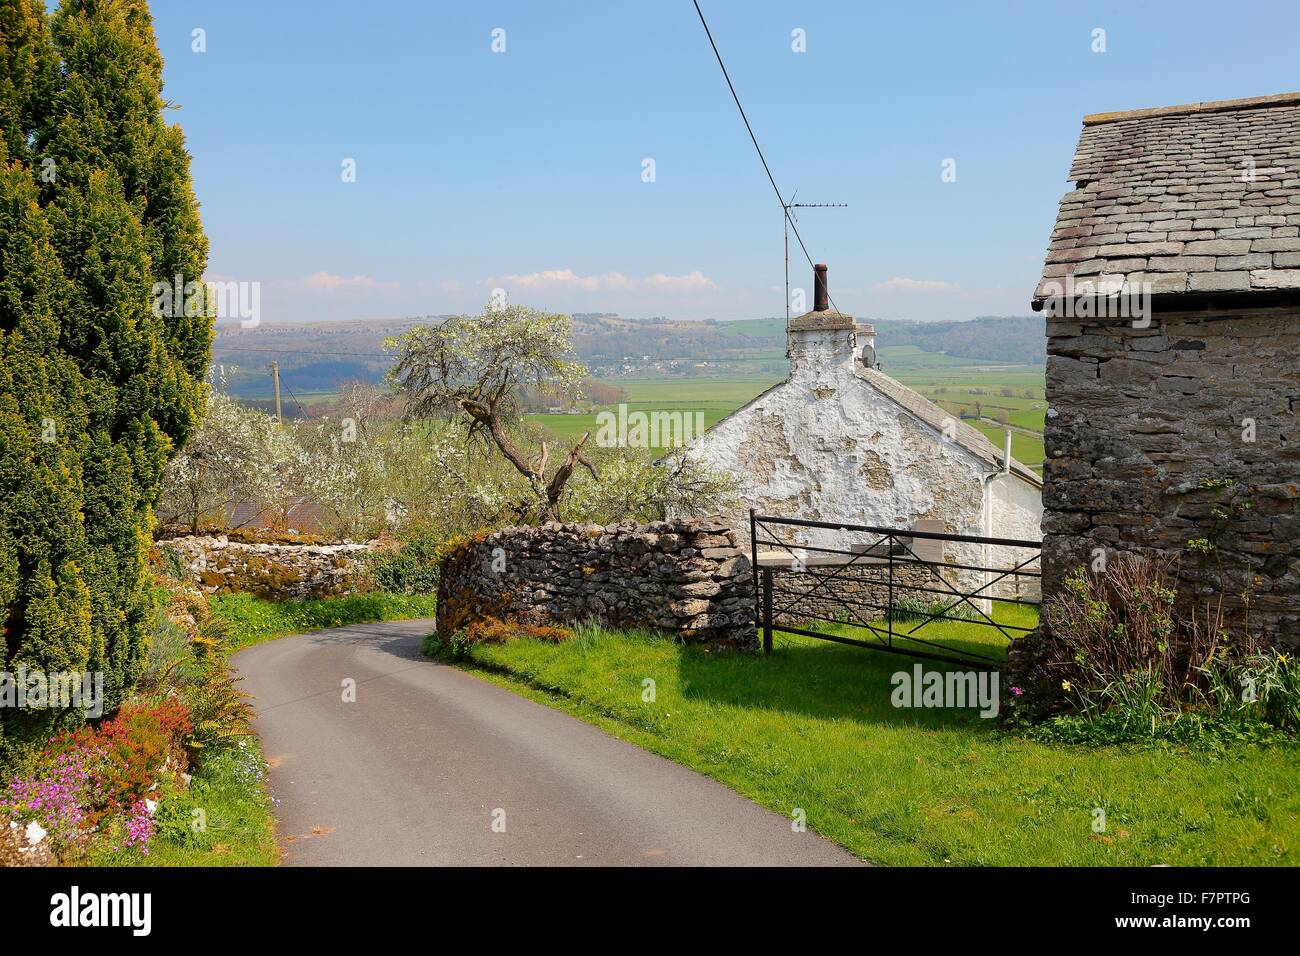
<point x="523" y="169"/>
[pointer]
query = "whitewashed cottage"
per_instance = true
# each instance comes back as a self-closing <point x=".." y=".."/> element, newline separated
<point x="841" y="441"/>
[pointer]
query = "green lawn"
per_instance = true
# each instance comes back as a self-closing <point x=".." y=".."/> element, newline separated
<point x="991" y="378"/>
<point x="728" y="393"/>
<point x="252" y="620"/>
<point x="812" y="727"/>
<point x="896" y="359"/>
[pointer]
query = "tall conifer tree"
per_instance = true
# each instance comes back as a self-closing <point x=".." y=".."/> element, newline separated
<point x="97" y="389"/>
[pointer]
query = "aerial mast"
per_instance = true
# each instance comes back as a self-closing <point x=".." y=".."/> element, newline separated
<point x="786" y="208"/>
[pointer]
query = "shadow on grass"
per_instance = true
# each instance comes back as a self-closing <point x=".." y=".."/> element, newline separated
<point x="833" y="681"/>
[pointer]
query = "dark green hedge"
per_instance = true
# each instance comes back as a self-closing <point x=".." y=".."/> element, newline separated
<point x="97" y="391"/>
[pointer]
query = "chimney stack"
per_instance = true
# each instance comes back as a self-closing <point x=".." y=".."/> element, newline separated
<point x="821" y="298"/>
<point x="823" y="339"/>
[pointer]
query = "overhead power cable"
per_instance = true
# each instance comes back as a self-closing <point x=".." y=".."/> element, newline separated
<point x="754" y="139"/>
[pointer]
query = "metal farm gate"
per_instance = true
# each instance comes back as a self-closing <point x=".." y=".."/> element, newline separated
<point x="886" y="585"/>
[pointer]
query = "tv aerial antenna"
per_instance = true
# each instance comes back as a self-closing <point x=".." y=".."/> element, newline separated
<point x="788" y="210"/>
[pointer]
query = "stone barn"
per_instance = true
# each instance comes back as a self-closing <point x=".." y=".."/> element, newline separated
<point x="1172" y="299"/>
<point x="841" y="441"/>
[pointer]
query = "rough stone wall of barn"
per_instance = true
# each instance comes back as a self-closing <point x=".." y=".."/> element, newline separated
<point x="1149" y="431"/>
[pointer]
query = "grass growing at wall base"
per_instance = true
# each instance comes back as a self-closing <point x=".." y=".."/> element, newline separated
<point x="813" y="727"/>
<point x="253" y="620"/>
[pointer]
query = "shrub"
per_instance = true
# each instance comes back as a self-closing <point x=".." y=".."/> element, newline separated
<point x="103" y="781"/>
<point x="633" y="484"/>
<point x="491" y="630"/>
<point x="188" y="660"/>
<point x="1130" y="665"/>
<point x="130" y="752"/>
<point x="412" y="568"/>
<point x="1263" y="684"/>
<point x="1119" y="627"/>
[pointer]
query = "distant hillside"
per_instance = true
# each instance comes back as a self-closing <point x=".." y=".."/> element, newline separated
<point x="1016" y="340"/>
<point x="319" y="357"/>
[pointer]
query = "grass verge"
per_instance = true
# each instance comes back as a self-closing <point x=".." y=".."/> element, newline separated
<point x="813" y="727"/>
<point x="252" y="620"/>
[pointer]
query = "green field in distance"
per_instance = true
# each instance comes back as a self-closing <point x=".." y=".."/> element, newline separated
<point x="999" y="393"/>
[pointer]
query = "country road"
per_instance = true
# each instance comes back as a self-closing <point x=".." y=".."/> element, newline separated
<point x="433" y="766"/>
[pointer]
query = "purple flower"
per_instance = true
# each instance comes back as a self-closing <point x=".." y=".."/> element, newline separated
<point x="139" y="827"/>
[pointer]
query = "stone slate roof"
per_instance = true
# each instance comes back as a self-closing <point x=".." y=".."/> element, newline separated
<point x="1165" y="196"/>
<point x="937" y="417"/>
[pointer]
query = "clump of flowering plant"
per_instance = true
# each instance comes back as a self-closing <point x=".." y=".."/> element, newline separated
<point x="98" y="780"/>
<point x="138" y="828"/>
<point x="57" y="796"/>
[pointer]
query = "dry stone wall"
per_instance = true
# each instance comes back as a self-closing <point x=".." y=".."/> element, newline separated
<point x="220" y="565"/>
<point x="852" y="594"/>
<point x="685" y="576"/>
<point x="1186" y="430"/>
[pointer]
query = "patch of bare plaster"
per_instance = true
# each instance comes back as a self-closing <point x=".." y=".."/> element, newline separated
<point x="877" y="473"/>
<point x="823" y="392"/>
<point x="951" y="492"/>
<point x="763" y="446"/>
<point x="810" y="506"/>
<point x="785" y="507"/>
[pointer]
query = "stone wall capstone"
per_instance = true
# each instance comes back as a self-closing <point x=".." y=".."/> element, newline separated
<point x="685" y="576"/>
<point x="219" y="565"/>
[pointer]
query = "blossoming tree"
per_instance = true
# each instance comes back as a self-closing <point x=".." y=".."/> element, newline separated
<point x="474" y="368"/>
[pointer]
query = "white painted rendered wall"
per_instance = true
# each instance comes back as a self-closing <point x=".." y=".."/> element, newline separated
<point x="1016" y="510"/>
<point x="827" y="446"/>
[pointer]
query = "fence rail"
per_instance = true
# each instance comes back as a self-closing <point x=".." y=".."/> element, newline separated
<point x="890" y="583"/>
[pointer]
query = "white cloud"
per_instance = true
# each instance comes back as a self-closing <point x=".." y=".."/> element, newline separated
<point x="568" y="279"/>
<point x="328" y="282"/>
<point x="917" y="285"/>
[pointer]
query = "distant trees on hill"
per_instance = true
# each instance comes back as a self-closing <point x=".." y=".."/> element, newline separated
<point x="322" y="357"/>
<point x="1015" y="340"/>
